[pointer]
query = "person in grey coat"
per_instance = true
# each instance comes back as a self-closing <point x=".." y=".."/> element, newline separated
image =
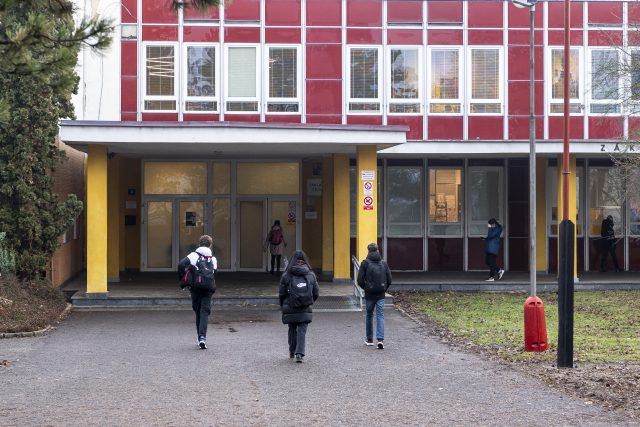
<point x="298" y="274"/>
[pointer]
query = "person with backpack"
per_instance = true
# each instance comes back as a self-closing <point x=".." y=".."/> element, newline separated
<point x="374" y="276"/>
<point x="298" y="291"/>
<point x="608" y="244"/>
<point x="491" y="249"/>
<point x="276" y="243"/>
<point x="196" y="272"/>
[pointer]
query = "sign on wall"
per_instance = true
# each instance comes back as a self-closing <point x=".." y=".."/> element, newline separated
<point x="314" y="187"/>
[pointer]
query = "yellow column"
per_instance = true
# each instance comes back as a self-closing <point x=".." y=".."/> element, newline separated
<point x="541" y="214"/>
<point x="114" y="220"/>
<point x="341" y="235"/>
<point x="573" y="204"/>
<point x="366" y="200"/>
<point x="97" y="220"/>
<point x="327" y="215"/>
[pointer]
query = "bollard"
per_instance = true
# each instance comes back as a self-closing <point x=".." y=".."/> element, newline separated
<point x="535" y="327"/>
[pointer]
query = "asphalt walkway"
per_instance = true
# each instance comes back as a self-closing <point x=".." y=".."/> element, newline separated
<point x="143" y="368"/>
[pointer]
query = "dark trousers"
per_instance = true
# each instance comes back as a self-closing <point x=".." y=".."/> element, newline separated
<point x="490" y="260"/>
<point x="608" y="247"/>
<point x="275" y="260"/>
<point x="297" y="334"/>
<point x="201" y="304"/>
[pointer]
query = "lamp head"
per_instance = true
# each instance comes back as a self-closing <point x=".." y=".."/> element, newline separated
<point x="521" y="4"/>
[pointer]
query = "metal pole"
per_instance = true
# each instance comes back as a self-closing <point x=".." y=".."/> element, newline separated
<point x="532" y="157"/>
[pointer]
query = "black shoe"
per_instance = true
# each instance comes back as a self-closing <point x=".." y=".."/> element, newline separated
<point x="368" y="341"/>
<point x="299" y="358"/>
<point x="290" y="355"/>
<point x="202" y="343"/>
<point x="380" y="345"/>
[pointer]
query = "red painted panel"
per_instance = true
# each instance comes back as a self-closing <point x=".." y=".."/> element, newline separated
<point x="129" y="12"/>
<point x="324" y="96"/>
<point x="556" y="127"/>
<point x="519" y="62"/>
<point x="192" y="13"/>
<point x="606" y="127"/>
<point x="485" y="14"/>
<point x="605" y="38"/>
<point x="201" y="118"/>
<point x="556" y="37"/>
<point x="128" y="117"/>
<point x="556" y="14"/>
<point x="601" y="12"/>
<point x="634" y="127"/>
<point x="634" y="38"/>
<point x="242" y="118"/>
<point x="407" y="11"/>
<point x="485" y="127"/>
<point x="201" y="34"/>
<point x="634" y="254"/>
<point x="324" y="35"/>
<point x="282" y="35"/>
<point x="128" y="94"/>
<point x="129" y="58"/>
<point x="326" y="119"/>
<point x="521" y="37"/>
<point x="519" y="17"/>
<point x="633" y="11"/>
<point x="364" y="13"/>
<point x="242" y="10"/>
<point x="596" y="253"/>
<point x="282" y="12"/>
<point x="364" y="36"/>
<point x="439" y="12"/>
<point x="519" y="127"/>
<point x="404" y="37"/>
<point x="445" y="254"/>
<point x="160" y="33"/>
<point x="444" y="37"/>
<point x="485" y="37"/>
<point x="159" y="117"/>
<point x="324" y="61"/>
<point x="283" y="119"/>
<point x="519" y="98"/>
<point x="364" y="120"/>
<point x="324" y="12"/>
<point x="414" y="123"/>
<point x="158" y="12"/>
<point x="405" y="254"/>
<point x="242" y="35"/>
<point x="445" y="128"/>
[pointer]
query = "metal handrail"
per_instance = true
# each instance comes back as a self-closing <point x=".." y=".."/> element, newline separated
<point x="358" y="292"/>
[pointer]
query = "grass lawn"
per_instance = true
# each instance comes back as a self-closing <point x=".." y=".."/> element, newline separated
<point x="606" y="323"/>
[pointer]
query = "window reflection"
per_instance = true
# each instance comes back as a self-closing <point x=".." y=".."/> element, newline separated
<point x="445" y="201"/>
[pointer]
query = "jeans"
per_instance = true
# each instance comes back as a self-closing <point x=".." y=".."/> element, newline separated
<point x="275" y="261"/>
<point x="201" y="304"/>
<point x="297" y="334"/>
<point x="490" y="259"/>
<point x="379" y="308"/>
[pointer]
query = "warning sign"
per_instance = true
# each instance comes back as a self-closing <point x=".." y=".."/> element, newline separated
<point x="367" y="203"/>
<point x="367" y="188"/>
<point x="367" y="175"/>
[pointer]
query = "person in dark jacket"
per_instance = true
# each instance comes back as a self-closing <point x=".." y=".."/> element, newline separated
<point x="608" y="242"/>
<point x="491" y="249"/>
<point x="374" y="276"/>
<point x="200" y="298"/>
<point x="298" y="318"/>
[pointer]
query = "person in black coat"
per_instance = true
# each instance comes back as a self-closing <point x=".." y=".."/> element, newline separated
<point x="608" y="242"/>
<point x="374" y="276"/>
<point x="298" y="273"/>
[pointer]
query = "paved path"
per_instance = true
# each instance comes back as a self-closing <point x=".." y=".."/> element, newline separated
<point x="143" y="368"/>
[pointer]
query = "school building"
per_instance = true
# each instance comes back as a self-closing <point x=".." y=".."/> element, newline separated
<point x="350" y="121"/>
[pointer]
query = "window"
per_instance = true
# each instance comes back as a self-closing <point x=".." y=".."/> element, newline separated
<point x="635" y="75"/>
<point x="364" y="80"/>
<point x="201" y="87"/>
<point x="404" y="80"/>
<point x="160" y="78"/>
<point x="445" y="202"/>
<point x="486" y="81"/>
<point x="557" y="82"/>
<point x="553" y="213"/>
<point x="175" y="178"/>
<point x="444" y="81"/>
<point x="242" y="79"/>
<point x="605" y="198"/>
<point x="404" y="209"/>
<point x="605" y="82"/>
<point x="634" y="215"/>
<point x="284" y="93"/>
<point x="484" y="198"/>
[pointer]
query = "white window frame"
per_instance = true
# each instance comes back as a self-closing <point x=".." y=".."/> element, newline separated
<point x="176" y="83"/>
<point x="632" y="107"/>
<point x="428" y="203"/>
<point x="501" y="198"/>
<point x="388" y="73"/>
<point x="229" y="98"/>
<point x="580" y="100"/>
<point x="298" y="98"/>
<point x="458" y="100"/>
<point x="609" y="101"/>
<point x="500" y="99"/>
<point x="377" y="100"/>
<point x="185" y="62"/>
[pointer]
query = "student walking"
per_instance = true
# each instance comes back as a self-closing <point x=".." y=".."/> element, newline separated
<point x="196" y="272"/>
<point x="276" y="243"/>
<point x="298" y="291"/>
<point x="608" y="242"/>
<point x="374" y="276"/>
<point x="491" y="249"/>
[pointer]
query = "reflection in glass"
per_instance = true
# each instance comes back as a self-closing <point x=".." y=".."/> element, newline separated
<point x="159" y="234"/>
<point x="175" y="178"/>
<point x="552" y="200"/>
<point x="221" y="178"/>
<point x="268" y="178"/>
<point x="445" y="201"/>
<point x="484" y="199"/>
<point x="404" y="211"/>
<point x="191" y="226"/>
<point x="605" y="198"/>
<point x="221" y="227"/>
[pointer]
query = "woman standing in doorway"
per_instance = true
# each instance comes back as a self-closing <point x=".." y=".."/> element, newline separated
<point x="276" y="243"/>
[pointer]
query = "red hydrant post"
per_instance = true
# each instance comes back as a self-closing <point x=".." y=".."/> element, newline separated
<point x="535" y="327"/>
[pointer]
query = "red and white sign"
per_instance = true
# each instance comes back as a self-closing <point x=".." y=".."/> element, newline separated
<point x="367" y="203"/>
<point x="367" y="188"/>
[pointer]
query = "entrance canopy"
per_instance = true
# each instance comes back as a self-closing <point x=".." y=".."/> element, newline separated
<point x="227" y="139"/>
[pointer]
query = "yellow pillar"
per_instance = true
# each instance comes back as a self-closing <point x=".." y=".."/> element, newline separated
<point x="573" y="205"/>
<point x="541" y="214"/>
<point x="327" y="215"/>
<point x="114" y="220"/>
<point x="366" y="200"/>
<point x="341" y="235"/>
<point x="97" y="220"/>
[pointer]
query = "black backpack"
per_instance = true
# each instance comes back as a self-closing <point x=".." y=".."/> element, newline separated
<point x="300" y="292"/>
<point x="375" y="278"/>
<point x="203" y="274"/>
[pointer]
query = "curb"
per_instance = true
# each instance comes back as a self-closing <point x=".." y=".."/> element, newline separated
<point x="40" y="332"/>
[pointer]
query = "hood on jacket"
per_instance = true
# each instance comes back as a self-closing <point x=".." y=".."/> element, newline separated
<point x="299" y="270"/>
<point x="374" y="257"/>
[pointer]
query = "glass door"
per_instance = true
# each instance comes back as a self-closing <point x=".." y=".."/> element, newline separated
<point x="251" y="234"/>
<point x="286" y="212"/>
<point x="190" y="226"/>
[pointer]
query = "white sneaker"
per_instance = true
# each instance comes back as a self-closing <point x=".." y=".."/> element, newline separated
<point x="500" y="273"/>
<point x="490" y="279"/>
<point x="380" y="345"/>
<point x="202" y="343"/>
